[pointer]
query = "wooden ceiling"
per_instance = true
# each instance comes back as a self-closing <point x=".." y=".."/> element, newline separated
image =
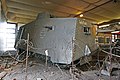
<point x="24" y="11"/>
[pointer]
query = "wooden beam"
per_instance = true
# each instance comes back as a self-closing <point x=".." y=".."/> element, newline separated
<point x="94" y="8"/>
<point x="43" y="4"/>
<point x="101" y="16"/>
<point x="61" y="4"/>
<point x="26" y="16"/>
<point x="32" y="13"/>
<point x="20" y="20"/>
<point x="91" y="19"/>
<point x="36" y="7"/>
<point x="33" y="9"/>
<point x="109" y="22"/>
<point x="110" y="10"/>
<point x="24" y="12"/>
<point x="102" y="8"/>
<point x="23" y="6"/>
<point x="46" y="2"/>
<point x="11" y="15"/>
<point x="104" y="13"/>
<point x="4" y="7"/>
<point x="94" y="17"/>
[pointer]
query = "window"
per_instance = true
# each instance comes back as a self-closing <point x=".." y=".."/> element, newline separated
<point x="107" y="40"/>
<point x="100" y="39"/>
<point x="87" y="30"/>
<point x="7" y="36"/>
<point x="10" y="36"/>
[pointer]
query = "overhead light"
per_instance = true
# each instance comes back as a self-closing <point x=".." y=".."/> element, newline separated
<point x="116" y="32"/>
<point x="118" y="22"/>
<point x="104" y="25"/>
<point x="81" y="15"/>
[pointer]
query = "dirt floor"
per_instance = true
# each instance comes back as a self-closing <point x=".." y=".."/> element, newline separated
<point x="37" y="70"/>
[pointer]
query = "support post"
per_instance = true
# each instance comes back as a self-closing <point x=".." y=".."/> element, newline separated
<point x="27" y="56"/>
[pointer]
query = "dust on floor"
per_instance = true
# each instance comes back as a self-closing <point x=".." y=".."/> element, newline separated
<point x="37" y="70"/>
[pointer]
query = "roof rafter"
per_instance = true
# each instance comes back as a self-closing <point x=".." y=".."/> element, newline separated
<point x="41" y="7"/>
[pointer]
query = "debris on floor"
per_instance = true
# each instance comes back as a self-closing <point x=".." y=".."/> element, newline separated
<point x="105" y="72"/>
<point x="37" y="70"/>
<point x="2" y="74"/>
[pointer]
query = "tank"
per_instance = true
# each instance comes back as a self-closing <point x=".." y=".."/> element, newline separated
<point x="64" y="39"/>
